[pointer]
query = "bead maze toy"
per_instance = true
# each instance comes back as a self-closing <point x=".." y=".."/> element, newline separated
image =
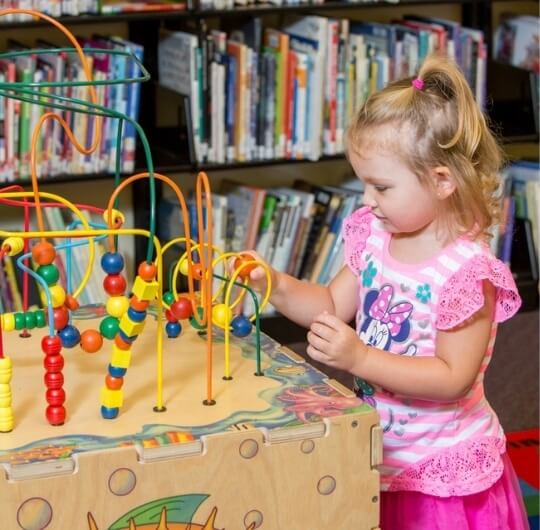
<point x="201" y="420"/>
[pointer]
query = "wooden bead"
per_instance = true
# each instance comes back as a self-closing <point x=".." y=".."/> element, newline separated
<point x="49" y="273"/>
<point x="51" y="345"/>
<point x="116" y="306"/>
<point x="121" y="343"/>
<point x="56" y="415"/>
<point x="147" y="271"/>
<point x="71" y="302"/>
<point x="13" y="245"/>
<point x="181" y="308"/>
<point x="60" y="317"/>
<point x="54" y="379"/>
<point x="197" y="271"/>
<point x="112" y="262"/>
<point x="114" y="383"/>
<point x="58" y="295"/>
<point x="43" y="253"/>
<point x="244" y="259"/>
<point x="221" y="313"/>
<point x="91" y="341"/>
<point x="109" y="327"/>
<point x="55" y="396"/>
<point x="53" y="363"/>
<point x="138" y="305"/>
<point x="70" y="336"/>
<point x="114" y="284"/>
<point x="8" y="321"/>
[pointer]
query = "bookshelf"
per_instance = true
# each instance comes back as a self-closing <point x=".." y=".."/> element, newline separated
<point x="172" y="157"/>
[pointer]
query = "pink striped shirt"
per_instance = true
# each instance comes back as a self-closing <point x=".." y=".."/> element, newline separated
<point x="439" y="448"/>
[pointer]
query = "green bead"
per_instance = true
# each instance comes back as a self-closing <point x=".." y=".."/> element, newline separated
<point x="194" y="323"/>
<point x="109" y="327"/>
<point x="40" y="318"/>
<point x="49" y="273"/>
<point x="30" y="320"/>
<point x="19" y="321"/>
<point x="168" y="298"/>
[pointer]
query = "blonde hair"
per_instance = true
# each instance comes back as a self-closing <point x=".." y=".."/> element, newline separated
<point x="440" y="124"/>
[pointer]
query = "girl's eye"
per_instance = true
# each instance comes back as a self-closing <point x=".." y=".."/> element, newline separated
<point x="380" y="189"/>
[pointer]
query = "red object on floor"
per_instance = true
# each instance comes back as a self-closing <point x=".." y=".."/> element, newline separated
<point x="523" y="448"/>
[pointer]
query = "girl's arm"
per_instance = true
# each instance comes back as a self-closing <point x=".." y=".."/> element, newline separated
<point x="445" y="377"/>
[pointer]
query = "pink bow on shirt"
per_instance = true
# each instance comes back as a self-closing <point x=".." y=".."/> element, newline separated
<point x="393" y="317"/>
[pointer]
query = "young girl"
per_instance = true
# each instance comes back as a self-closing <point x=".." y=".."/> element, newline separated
<point x="427" y="295"/>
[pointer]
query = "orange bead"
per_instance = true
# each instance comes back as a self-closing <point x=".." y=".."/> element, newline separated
<point x="91" y="341"/>
<point x="114" y="383"/>
<point x="43" y="253"/>
<point x="121" y="343"/>
<point x="138" y="305"/>
<point x="71" y="302"/>
<point x="242" y="259"/>
<point x="147" y="271"/>
<point x="196" y="271"/>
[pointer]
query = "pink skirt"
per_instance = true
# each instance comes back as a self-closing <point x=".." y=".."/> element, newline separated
<point x="500" y="507"/>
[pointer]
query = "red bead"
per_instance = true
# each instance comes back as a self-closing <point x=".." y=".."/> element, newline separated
<point x="53" y="363"/>
<point x="246" y="270"/>
<point x="138" y="305"/>
<point x="43" y="253"/>
<point x="71" y="303"/>
<point x="91" y="341"/>
<point x="181" y="308"/>
<point x="54" y="379"/>
<point x="147" y="271"/>
<point x="55" y="396"/>
<point x="114" y="383"/>
<point x="56" y="415"/>
<point x="121" y="343"/>
<point x="51" y="345"/>
<point x="196" y="271"/>
<point x="114" y="284"/>
<point x="60" y="317"/>
<point x="169" y="316"/>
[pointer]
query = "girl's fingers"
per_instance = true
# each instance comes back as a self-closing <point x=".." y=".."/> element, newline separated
<point x="322" y="330"/>
<point x="316" y="354"/>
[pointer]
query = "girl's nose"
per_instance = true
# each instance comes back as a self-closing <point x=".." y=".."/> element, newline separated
<point x="368" y="199"/>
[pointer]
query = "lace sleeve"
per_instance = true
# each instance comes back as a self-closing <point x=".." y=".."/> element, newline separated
<point x="462" y="294"/>
<point x="356" y="230"/>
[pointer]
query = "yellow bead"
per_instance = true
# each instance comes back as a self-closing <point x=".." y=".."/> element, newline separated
<point x="8" y="321"/>
<point x="221" y="313"/>
<point x="117" y="306"/>
<point x="112" y="398"/>
<point x="5" y="395"/>
<point x="184" y="267"/>
<point x="118" y="218"/>
<point x="58" y="295"/>
<point x="145" y="291"/>
<point x="5" y="370"/>
<point x="120" y="358"/>
<point x="15" y="245"/>
<point x="6" y="419"/>
<point x="130" y="328"/>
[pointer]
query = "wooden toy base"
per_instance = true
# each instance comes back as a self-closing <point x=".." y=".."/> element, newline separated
<point x="288" y="450"/>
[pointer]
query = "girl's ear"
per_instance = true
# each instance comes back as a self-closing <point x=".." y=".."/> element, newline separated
<point x="443" y="181"/>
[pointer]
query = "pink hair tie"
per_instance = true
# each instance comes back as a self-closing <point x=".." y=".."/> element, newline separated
<point x="418" y="83"/>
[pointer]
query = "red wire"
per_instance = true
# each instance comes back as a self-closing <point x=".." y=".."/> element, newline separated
<point x="87" y="207"/>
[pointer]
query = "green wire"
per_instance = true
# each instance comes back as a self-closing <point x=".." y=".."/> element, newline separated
<point x="30" y="93"/>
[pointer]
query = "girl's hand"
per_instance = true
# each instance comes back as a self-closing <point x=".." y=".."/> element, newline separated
<point x="257" y="276"/>
<point x="335" y="343"/>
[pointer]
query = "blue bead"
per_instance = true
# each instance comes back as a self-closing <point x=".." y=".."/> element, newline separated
<point x="69" y="336"/>
<point x="125" y="338"/>
<point x="116" y="371"/>
<point x="112" y="262"/>
<point x="241" y="326"/>
<point x="109" y="413"/>
<point x="136" y="316"/>
<point x="173" y="329"/>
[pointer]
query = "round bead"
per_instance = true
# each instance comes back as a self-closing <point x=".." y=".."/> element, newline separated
<point x="49" y="273"/>
<point x="58" y="295"/>
<point x="56" y="415"/>
<point x="138" y="305"/>
<point x="121" y="343"/>
<point x="108" y="413"/>
<point x="13" y="245"/>
<point x="184" y="267"/>
<point x="147" y="271"/>
<point x="241" y="260"/>
<point x="71" y="302"/>
<point x="54" y="379"/>
<point x="173" y="329"/>
<point x="114" y="383"/>
<point x="196" y="271"/>
<point x="91" y="341"/>
<point x="51" y="345"/>
<point x="117" y="305"/>
<point x="241" y="326"/>
<point x="60" y="317"/>
<point x="109" y="327"/>
<point x="53" y="363"/>
<point x="194" y="323"/>
<point x="19" y="320"/>
<point x="112" y="262"/>
<point x="8" y="321"/>
<point x="221" y="313"/>
<point x="136" y="316"/>
<point x="41" y="321"/>
<point x="181" y="308"/>
<point x="116" y="371"/>
<point x="114" y="284"/>
<point x="43" y="253"/>
<point x="69" y="336"/>
<point x="55" y="396"/>
<point x="30" y="320"/>
<point x="169" y="316"/>
<point x="168" y="297"/>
